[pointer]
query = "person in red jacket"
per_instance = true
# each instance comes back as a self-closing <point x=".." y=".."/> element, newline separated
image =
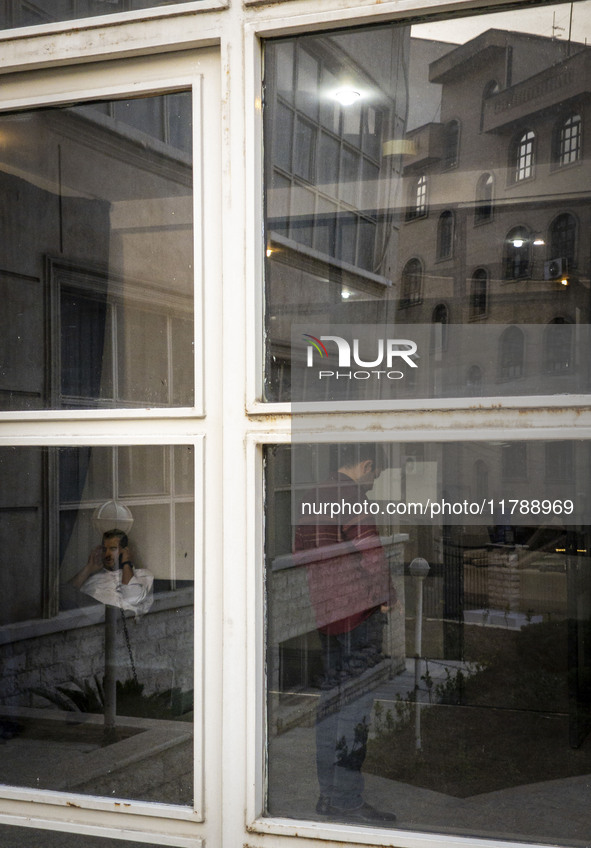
<point x="349" y="586"/>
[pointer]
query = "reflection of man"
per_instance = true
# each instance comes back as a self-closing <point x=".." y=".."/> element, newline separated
<point x="109" y="575"/>
<point x="349" y="587"/>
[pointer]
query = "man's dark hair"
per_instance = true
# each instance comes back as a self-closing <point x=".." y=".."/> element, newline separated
<point x="117" y="534"/>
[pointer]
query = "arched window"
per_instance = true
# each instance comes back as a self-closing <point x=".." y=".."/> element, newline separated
<point x="517" y="254"/>
<point x="492" y="87"/>
<point x="439" y="321"/>
<point x="523" y="156"/>
<point x="568" y="141"/>
<point x="445" y="235"/>
<point x="474" y="381"/>
<point x="563" y="240"/>
<point x="558" y="347"/>
<point x="412" y="283"/>
<point x="512" y="345"/>
<point x="451" y="144"/>
<point x="483" y="210"/>
<point x="418" y="200"/>
<point x="478" y="293"/>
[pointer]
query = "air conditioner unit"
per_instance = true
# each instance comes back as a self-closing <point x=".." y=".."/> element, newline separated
<point x="554" y="268"/>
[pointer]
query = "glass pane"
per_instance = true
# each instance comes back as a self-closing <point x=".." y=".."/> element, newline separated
<point x="428" y="633"/>
<point x="285" y="70"/>
<point x="96" y="258"/>
<point x="479" y="118"/>
<point x="283" y="138"/>
<point x="143" y="470"/>
<point x="17" y="13"/>
<point x="328" y="164"/>
<point x="96" y="621"/>
<point x="349" y="176"/>
<point x="307" y="83"/>
<point x="305" y="147"/>
<point x="28" y="837"/>
<point x="325" y="227"/>
<point x="302" y="216"/>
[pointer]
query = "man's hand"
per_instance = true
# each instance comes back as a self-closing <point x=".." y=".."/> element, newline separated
<point x="93" y="565"/>
<point x="126" y="568"/>
<point x="95" y="560"/>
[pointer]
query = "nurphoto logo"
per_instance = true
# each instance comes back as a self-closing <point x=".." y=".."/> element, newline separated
<point x="388" y="352"/>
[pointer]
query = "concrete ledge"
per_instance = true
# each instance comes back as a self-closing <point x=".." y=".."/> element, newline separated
<point x="86" y="617"/>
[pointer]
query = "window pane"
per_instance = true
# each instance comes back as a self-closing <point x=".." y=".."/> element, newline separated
<point x="28" y="837"/>
<point x="325" y="227"/>
<point x="437" y="141"/>
<point x="285" y="70"/>
<point x="96" y="617"/>
<point x="349" y="176"/>
<point x="302" y="216"/>
<point x="307" y="68"/>
<point x="283" y="138"/>
<point x="305" y="151"/>
<point x="34" y="12"/>
<point x="328" y="164"/>
<point x="525" y="156"/>
<point x="97" y="256"/>
<point x="455" y="697"/>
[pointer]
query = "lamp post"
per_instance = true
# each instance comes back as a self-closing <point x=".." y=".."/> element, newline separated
<point x="109" y="516"/>
<point x="419" y="568"/>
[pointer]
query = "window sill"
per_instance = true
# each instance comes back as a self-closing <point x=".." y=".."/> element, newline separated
<point x="556" y="168"/>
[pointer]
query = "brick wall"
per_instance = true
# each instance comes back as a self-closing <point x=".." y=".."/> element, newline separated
<point x="47" y="653"/>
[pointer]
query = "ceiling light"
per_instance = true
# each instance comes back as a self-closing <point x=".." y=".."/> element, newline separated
<point x="518" y="242"/>
<point x="347" y="96"/>
<point x="539" y="241"/>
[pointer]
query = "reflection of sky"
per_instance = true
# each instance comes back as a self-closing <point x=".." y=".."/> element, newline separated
<point x="539" y="20"/>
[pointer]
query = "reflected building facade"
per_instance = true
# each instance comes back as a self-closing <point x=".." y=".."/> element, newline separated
<point x="464" y="226"/>
<point x="96" y="276"/>
<point x="476" y="217"/>
<point x="495" y="217"/>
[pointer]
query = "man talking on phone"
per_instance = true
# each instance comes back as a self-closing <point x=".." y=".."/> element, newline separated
<point x="109" y="575"/>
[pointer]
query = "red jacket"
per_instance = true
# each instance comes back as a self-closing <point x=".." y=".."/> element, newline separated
<point x="348" y="577"/>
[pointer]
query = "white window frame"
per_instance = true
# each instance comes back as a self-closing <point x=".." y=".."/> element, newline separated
<point x="229" y="491"/>
<point x="507" y="418"/>
<point x="197" y="71"/>
<point x="156" y="14"/>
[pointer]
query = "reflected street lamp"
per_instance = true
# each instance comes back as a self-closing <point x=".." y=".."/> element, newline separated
<point x="419" y="568"/>
<point x="110" y="516"/>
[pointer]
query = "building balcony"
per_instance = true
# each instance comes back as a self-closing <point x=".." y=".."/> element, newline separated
<point x="549" y="89"/>
<point x="427" y="146"/>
